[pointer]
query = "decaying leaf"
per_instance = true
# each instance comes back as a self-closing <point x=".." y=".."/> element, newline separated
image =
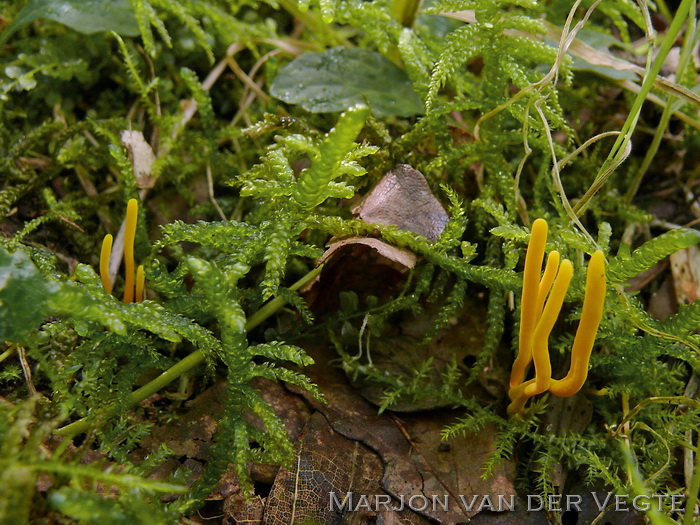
<point x="239" y="511"/>
<point x="399" y="255"/>
<point x="685" y="268"/>
<point x="141" y="156"/>
<point x="568" y="414"/>
<point x="662" y="303"/>
<point x="414" y="464"/>
<point x="403" y="198"/>
<point x="360" y="268"/>
<point x="190" y="439"/>
<point x="192" y="434"/>
<point x="330" y="468"/>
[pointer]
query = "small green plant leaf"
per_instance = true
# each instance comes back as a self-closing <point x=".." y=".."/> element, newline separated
<point x="92" y="508"/>
<point x="651" y="252"/>
<point x="85" y="16"/>
<point x="314" y="181"/>
<point x="343" y="77"/>
<point x="23" y="295"/>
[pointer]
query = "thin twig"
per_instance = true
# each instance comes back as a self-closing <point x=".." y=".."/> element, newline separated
<point x="22" y="354"/>
<point x="210" y="188"/>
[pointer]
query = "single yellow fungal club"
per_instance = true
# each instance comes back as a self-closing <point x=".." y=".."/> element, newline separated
<point x="140" y="283"/>
<point x="542" y="299"/>
<point x="104" y="262"/>
<point x="132" y="211"/>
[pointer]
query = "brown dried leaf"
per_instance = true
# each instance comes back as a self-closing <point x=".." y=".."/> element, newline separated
<point x="191" y="435"/>
<point x="685" y="268"/>
<point x="568" y="414"/>
<point x="564" y="416"/>
<point x="239" y="511"/>
<point x="407" y="473"/>
<point x="403" y="198"/>
<point x="356" y="267"/>
<point x="456" y="465"/>
<point x="141" y="156"/>
<point x="328" y="466"/>
<point x="639" y="281"/>
<point x="662" y="303"/>
<point x="399" y="255"/>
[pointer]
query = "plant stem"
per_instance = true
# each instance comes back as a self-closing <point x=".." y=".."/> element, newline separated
<point x="314" y="23"/>
<point x="671" y="105"/>
<point x="617" y="153"/>
<point x="405" y="11"/>
<point x="7" y="353"/>
<point x="189" y="362"/>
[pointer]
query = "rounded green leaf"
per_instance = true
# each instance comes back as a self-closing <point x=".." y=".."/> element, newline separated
<point x="23" y="296"/>
<point x="343" y="77"/>
<point x="84" y="16"/>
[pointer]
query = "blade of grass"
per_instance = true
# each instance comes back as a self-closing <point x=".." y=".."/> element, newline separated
<point x="671" y="105"/>
<point x="617" y="153"/>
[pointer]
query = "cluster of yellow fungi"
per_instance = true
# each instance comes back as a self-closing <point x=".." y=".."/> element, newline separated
<point x="132" y="211"/>
<point x="542" y="299"/>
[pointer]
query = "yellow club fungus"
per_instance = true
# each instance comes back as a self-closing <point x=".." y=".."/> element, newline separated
<point x="104" y="262"/>
<point x="140" y="283"/>
<point x="132" y="210"/>
<point x="591" y="315"/>
<point x="541" y="302"/>
<point x="528" y="313"/>
<point x="545" y="323"/>
<point x="550" y="272"/>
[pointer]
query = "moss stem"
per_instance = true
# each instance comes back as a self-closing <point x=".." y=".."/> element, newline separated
<point x="187" y="363"/>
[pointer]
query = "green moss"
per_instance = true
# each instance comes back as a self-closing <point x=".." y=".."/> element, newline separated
<point x="514" y="130"/>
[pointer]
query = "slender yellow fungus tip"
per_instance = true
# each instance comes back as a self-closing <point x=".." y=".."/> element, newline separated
<point x="545" y="324"/>
<point x="132" y="210"/>
<point x="104" y="262"/>
<point x="541" y="302"/>
<point x="140" y="283"/>
<point x="550" y="272"/>
<point x="591" y="315"/>
<point x="528" y="303"/>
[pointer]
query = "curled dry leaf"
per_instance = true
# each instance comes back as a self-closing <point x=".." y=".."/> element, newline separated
<point x="403" y="198"/>
<point x="141" y="156"/>
<point x="685" y="268"/>
<point x="399" y="255"/>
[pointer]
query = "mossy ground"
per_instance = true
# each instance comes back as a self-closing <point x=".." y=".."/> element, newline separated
<point x="585" y="116"/>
